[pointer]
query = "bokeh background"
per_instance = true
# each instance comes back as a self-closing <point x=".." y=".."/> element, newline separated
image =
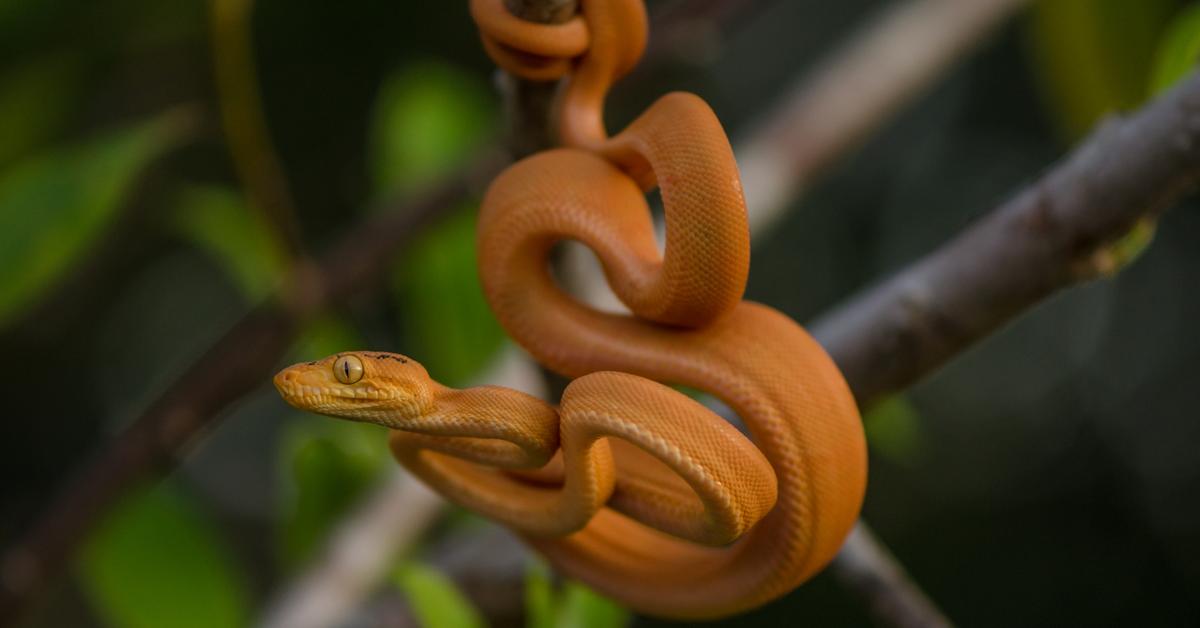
<point x="1049" y="476"/>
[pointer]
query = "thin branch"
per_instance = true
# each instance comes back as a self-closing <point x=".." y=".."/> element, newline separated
<point x="250" y="147"/>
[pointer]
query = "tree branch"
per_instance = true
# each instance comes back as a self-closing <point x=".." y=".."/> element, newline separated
<point x="1055" y="233"/>
<point x="1048" y="237"/>
<point x="830" y="104"/>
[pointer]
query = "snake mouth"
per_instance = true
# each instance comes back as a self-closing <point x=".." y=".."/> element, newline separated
<point x="323" y="397"/>
<point x="301" y="393"/>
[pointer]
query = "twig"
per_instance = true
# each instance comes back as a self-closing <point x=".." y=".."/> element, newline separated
<point x="250" y="146"/>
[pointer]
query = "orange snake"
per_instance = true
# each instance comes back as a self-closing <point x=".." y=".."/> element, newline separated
<point x="629" y="485"/>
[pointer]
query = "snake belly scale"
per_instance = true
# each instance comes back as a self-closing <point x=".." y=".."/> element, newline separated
<point x="627" y="485"/>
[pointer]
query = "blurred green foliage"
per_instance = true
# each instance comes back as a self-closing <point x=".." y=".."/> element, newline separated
<point x="428" y="118"/>
<point x="1093" y="56"/>
<point x="54" y="207"/>
<point x="893" y="429"/>
<point x="161" y="559"/>
<point x="434" y="598"/>
<point x="570" y="606"/>
<point x="447" y="324"/>
<point x="158" y="561"/>
<point x="1178" y="51"/>
<point x="218" y="221"/>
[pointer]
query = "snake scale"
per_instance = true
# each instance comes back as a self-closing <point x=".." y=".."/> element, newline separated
<point x="628" y="485"/>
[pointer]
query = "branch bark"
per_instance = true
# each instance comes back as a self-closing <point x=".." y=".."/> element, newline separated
<point x="1057" y="232"/>
<point x="892" y="59"/>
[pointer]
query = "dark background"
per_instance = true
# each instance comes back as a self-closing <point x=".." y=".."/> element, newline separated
<point x="1048" y="476"/>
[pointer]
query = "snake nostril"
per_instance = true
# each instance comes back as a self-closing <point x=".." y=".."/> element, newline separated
<point x="282" y="379"/>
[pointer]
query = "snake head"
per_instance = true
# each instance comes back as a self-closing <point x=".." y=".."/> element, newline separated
<point x="387" y="389"/>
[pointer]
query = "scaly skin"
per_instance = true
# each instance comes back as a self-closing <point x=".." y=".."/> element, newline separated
<point x="628" y="485"/>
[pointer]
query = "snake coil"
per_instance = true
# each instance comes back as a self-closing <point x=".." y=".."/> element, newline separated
<point x="628" y="485"/>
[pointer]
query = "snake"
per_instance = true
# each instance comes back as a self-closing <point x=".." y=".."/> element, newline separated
<point x="628" y="484"/>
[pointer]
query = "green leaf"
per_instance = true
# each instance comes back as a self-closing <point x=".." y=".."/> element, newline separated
<point x="540" y="597"/>
<point x="329" y="475"/>
<point x="574" y="606"/>
<point x="428" y="119"/>
<point x="157" y="561"/>
<point x="894" y="430"/>
<point x="54" y="207"/>
<point x="1178" y="51"/>
<point x="435" y="600"/>
<point x="218" y="221"/>
<point x="446" y="323"/>
<point x="1093" y="56"/>
<point x="583" y="608"/>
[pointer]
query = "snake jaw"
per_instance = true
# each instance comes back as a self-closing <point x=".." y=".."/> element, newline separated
<point x="390" y="390"/>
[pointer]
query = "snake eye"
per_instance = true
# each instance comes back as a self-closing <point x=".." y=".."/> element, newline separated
<point x="348" y="369"/>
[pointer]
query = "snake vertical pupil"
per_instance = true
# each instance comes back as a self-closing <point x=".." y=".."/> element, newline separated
<point x="348" y="369"/>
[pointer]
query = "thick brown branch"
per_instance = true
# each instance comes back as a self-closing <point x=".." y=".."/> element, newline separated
<point x="1046" y="238"/>
<point x="1053" y="234"/>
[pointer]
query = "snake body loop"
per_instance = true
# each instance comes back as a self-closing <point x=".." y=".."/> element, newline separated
<point x="628" y="485"/>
